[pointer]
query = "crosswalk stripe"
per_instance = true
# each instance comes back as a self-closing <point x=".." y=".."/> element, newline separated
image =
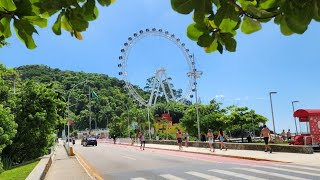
<point x="290" y="170"/>
<point x="300" y="167"/>
<point x="171" y="177"/>
<point x="238" y="175"/>
<point x="272" y="174"/>
<point x="139" y="178"/>
<point x="205" y="176"/>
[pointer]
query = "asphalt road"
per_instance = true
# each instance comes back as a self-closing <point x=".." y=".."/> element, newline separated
<point x="129" y="162"/>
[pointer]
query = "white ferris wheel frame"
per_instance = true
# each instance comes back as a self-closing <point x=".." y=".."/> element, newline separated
<point x="192" y="75"/>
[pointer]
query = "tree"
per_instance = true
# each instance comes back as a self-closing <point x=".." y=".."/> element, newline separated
<point x="37" y="116"/>
<point x="211" y="117"/>
<point x="8" y="129"/>
<point x="243" y="118"/>
<point x="216" y="21"/>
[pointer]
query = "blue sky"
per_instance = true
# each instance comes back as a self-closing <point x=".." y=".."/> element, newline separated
<point x="265" y="61"/>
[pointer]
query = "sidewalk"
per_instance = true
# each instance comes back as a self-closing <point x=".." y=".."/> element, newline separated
<point x="304" y="159"/>
<point x="66" y="167"/>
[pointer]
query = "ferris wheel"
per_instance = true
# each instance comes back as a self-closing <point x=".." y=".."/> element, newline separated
<point x="192" y="73"/>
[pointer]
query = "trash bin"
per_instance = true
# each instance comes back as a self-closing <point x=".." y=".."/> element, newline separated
<point x="249" y="139"/>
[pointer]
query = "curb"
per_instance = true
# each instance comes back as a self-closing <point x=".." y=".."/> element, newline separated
<point x="91" y="171"/>
<point x="221" y="155"/>
<point x="40" y="171"/>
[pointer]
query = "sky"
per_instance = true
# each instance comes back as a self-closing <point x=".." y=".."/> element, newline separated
<point x="264" y="62"/>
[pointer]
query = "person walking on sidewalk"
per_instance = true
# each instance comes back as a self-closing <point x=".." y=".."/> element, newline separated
<point x="289" y="135"/>
<point x="265" y="132"/>
<point x="283" y="135"/>
<point x="179" y="139"/>
<point x="142" y="140"/>
<point x="221" y="139"/>
<point x="186" y="138"/>
<point x="210" y="139"/>
<point x="138" y="137"/>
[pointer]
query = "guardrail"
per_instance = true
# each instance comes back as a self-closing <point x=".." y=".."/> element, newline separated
<point x="40" y="171"/>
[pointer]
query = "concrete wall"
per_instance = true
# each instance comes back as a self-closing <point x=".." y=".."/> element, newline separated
<point x="244" y="146"/>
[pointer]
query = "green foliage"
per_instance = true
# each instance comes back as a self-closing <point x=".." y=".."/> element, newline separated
<point x="19" y="173"/>
<point x="216" y="21"/>
<point x="73" y="16"/>
<point x="168" y="136"/>
<point x="36" y="116"/>
<point x="212" y="117"/>
<point x="8" y="128"/>
<point x="176" y="110"/>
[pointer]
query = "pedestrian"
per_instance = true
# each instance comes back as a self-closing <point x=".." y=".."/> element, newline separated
<point x="138" y="136"/>
<point x="289" y="135"/>
<point x="265" y="133"/>
<point x="186" y="138"/>
<point x="142" y="140"/>
<point x="179" y="139"/>
<point x="114" y="139"/>
<point x="210" y="139"/>
<point x="283" y="135"/>
<point x="221" y="139"/>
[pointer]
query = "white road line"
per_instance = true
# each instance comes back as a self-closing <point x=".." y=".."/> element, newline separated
<point x="300" y="167"/>
<point x="171" y="177"/>
<point x="272" y="174"/>
<point x="129" y="157"/>
<point x="138" y="178"/>
<point x="238" y="175"/>
<point x="204" y="176"/>
<point x="290" y="170"/>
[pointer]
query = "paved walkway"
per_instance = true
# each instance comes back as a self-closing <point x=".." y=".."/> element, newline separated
<point x="66" y="168"/>
<point x="304" y="159"/>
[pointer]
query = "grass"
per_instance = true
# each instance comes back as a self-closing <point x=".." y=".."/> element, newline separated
<point x="19" y="173"/>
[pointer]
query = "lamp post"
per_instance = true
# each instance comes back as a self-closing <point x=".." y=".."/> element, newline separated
<point x="295" y="122"/>
<point x="274" y="128"/>
<point x="69" y="107"/>
<point x="196" y="74"/>
<point x="128" y="121"/>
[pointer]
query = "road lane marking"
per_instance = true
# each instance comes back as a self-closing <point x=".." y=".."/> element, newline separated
<point x="88" y="168"/>
<point x="204" y="176"/>
<point x="138" y="178"/>
<point x="299" y="167"/>
<point x="129" y="157"/>
<point x="272" y="174"/>
<point x="238" y="175"/>
<point x="171" y="177"/>
<point x="290" y="170"/>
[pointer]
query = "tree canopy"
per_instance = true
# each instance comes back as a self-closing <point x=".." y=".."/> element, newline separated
<point x="215" y="25"/>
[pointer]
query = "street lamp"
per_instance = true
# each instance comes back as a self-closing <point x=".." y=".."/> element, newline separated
<point x="295" y="122"/>
<point x="196" y="74"/>
<point x="274" y="128"/>
<point x="128" y="121"/>
<point x="69" y="93"/>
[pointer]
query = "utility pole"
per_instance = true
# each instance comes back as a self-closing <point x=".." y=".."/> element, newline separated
<point x="274" y="127"/>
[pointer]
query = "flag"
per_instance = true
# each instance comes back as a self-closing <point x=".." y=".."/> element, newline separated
<point x="94" y="95"/>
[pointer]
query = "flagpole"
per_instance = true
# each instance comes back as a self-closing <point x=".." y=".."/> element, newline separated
<point x="89" y="110"/>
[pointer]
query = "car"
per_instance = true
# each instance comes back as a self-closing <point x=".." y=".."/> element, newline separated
<point x="89" y="141"/>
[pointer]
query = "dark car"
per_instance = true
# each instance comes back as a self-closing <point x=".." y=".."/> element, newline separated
<point x="89" y="141"/>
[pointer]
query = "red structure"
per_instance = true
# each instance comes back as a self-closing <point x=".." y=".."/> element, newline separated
<point x="312" y="118"/>
<point x="166" y="116"/>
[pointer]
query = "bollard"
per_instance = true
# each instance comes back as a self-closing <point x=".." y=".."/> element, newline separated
<point x="71" y="152"/>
